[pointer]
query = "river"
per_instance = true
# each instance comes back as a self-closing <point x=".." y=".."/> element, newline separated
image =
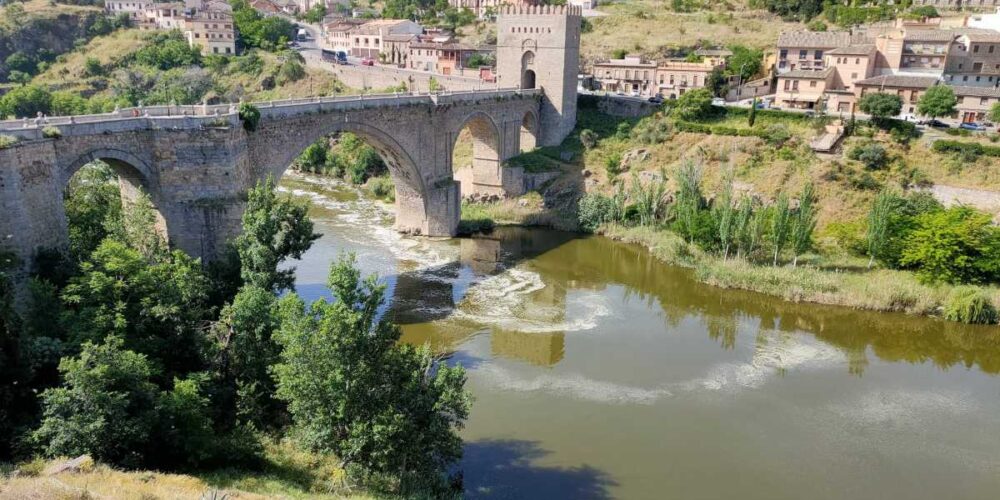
<point x="599" y="372"/>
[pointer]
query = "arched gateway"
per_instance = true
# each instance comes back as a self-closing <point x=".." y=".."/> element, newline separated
<point x="197" y="162"/>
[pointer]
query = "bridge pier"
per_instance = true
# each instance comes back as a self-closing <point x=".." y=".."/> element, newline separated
<point x="435" y="213"/>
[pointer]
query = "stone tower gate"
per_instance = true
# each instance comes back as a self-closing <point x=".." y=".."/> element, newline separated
<point x="539" y="47"/>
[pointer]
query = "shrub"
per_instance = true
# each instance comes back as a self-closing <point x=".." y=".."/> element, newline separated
<point x="382" y="187"/>
<point x="613" y="164"/>
<point x="588" y="138"/>
<point x="965" y="149"/>
<point x="881" y="105"/>
<point x="250" y="116"/>
<point x="968" y="304"/>
<point x="7" y="141"/>
<point x="776" y="134"/>
<point x="693" y="105"/>
<point x="51" y="132"/>
<point x="593" y="210"/>
<point x="871" y="154"/>
<point x="957" y="245"/>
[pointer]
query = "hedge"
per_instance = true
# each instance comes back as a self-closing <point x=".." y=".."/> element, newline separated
<point x="699" y="128"/>
<point x="966" y="148"/>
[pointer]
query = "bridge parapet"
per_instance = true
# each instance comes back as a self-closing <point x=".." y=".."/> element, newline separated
<point x="202" y="116"/>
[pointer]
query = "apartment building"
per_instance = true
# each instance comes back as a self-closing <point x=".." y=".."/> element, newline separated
<point x="806" y="50"/>
<point x="974" y="60"/>
<point x="975" y="103"/>
<point x="909" y="88"/>
<point x="803" y="88"/>
<point x="338" y="32"/>
<point x="366" y="40"/>
<point x="629" y="75"/>
<point x="135" y="9"/>
<point x="675" y="77"/>
<point x="446" y="58"/>
<point x="211" y="28"/>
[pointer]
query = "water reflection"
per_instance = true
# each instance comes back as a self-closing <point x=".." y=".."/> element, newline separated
<point x="449" y="303"/>
<point x="507" y="469"/>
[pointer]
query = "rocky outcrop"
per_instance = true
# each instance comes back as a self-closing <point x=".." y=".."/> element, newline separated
<point x="54" y="33"/>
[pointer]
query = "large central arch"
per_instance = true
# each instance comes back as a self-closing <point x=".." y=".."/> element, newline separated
<point x="134" y="177"/>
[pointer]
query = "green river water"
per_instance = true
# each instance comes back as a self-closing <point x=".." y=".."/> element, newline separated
<point x="599" y="372"/>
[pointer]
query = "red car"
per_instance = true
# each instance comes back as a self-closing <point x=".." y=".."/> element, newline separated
<point x="367" y="62"/>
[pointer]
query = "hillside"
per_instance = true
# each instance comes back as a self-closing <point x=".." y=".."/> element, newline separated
<point x="42" y="30"/>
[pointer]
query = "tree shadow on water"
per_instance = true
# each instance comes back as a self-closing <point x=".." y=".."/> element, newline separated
<point x="502" y="469"/>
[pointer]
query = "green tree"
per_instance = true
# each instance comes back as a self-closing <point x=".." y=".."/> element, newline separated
<point x="725" y="214"/>
<point x="158" y="307"/>
<point x="752" y="115"/>
<point x="957" y="245"/>
<point x="745" y="62"/>
<point x="256" y="30"/>
<point x="878" y="232"/>
<point x="107" y="406"/>
<point x="780" y="225"/>
<point x="92" y="67"/>
<point x="689" y="200"/>
<point x="938" y="101"/>
<point x="353" y="390"/>
<point x="804" y="222"/>
<point x="93" y="208"/>
<point x="168" y="50"/>
<point x="274" y="229"/>
<point x="995" y="112"/>
<point x="26" y="101"/>
<point x="881" y="105"/>
<point x="693" y="105"/>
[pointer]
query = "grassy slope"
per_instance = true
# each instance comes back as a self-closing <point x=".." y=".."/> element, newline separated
<point x="107" y="49"/>
<point x="287" y="473"/>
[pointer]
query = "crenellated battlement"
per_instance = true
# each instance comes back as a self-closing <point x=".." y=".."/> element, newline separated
<point x="541" y="10"/>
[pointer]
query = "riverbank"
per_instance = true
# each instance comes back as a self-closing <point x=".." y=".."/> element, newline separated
<point x="881" y="290"/>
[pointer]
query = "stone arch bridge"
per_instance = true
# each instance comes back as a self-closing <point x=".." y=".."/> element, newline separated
<point x="197" y="162"/>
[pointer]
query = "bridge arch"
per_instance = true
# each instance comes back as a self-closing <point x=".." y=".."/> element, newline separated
<point x="487" y="147"/>
<point x="134" y="174"/>
<point x="528" y="132"/>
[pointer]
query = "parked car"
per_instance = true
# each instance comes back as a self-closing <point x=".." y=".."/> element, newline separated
<point x="718" y="101"/>
<point x="367" y="62"/>
<point x="934" y="123"/>
<point x="656" y="99"/>
<point x="972" y="126"/>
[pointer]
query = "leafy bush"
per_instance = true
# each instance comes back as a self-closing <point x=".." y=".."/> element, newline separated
<point x="51" y="132"/>
<point x="250" y="116"/>
<point x="881" y="105"/>
<point x="593" y="210"/>
<point x="965" y="149"/>
<point x="956" y="245"/>
<point x="382" y="187"/>
<point x="871" y="154"/>
<point x="968" y="304"/>
<point x="777" y="134"/>
<point x="693" y="105"/>
<point x="7" y="141"/>
<point x="26" y="101"/>
<point x="166" y="51"/>
<point x="588" y="138"/>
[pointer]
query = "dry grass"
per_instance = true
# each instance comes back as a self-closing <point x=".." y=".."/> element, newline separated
<point x="105" y="49"/>
<point x="46" y="7"/>
<point x="288" y="474"/>
<point x="651" y="27"/>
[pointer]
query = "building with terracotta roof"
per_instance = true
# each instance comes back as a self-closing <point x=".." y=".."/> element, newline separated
<point x="803" y="88"/>
<point x="806" y="49"/>
<point x="444" y="57"/>
<point x="211" y="27"/>
<point x="975" y="103"/>
<point x="366" y="40"/>
<point x="629" y="75"/>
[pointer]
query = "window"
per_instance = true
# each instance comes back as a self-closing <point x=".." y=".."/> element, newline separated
<point x="695" y="81"/>
<point x="857" y="60"/>
<point x="965" y="78"/>
<point x="983" y="101"/>
<point x="975" y="49"/>
<point x="671" y="79"/>
<point x="784" y="54"/>
<point x="802" y="54"/>
<point x="819" y="54"/>
<point x="854" y="76"/>
<point x="991" y="49"/>
<point x="795" y="85"/>
<point x="812" y="84"/>
<point x="628" y="74"/>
